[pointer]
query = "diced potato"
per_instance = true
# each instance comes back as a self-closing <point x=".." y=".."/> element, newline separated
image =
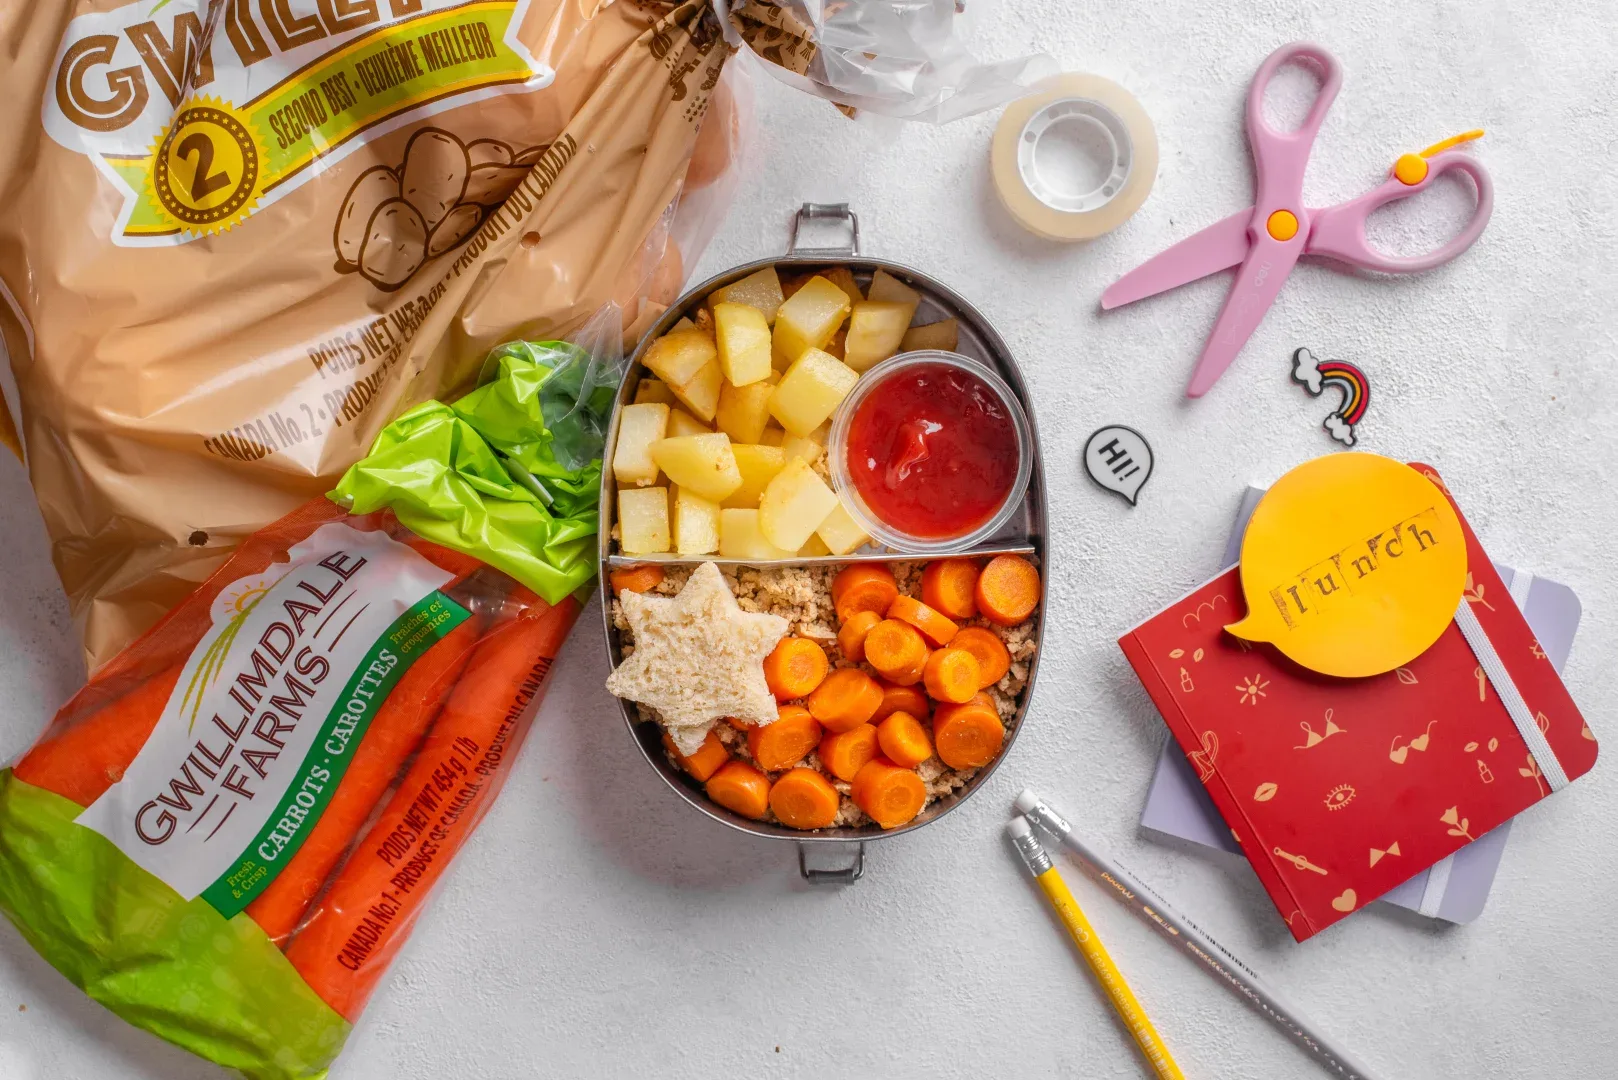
<point x="836" y="346"/>
<point x="744" y="411"/>
<point x="761" y="289"/>
<point x="696" y="523"/>
<point x="758" y="466"/>
<point x="703" y="463"/>
<point x="843" y="278"/>
<point x="741" y="538"/>
<point x="803" y="447"/>
<point x="874" y="331"/>
<point x="889" y="289"/>
<point x="840" y="532"/>
<point x="943" y="335"/>
<point x="774" y="434"/>
<point x="813" y="547"/>
<point x="701" y="394"/>
<point x="792" y="284"/>
<point x="678" y="355"/>
<point x="643" y="520"/>
<point x="793" y="505"/>
<point x="653" y="391"/>
<point x="639" y="426"/>
<point x="743" y="338"/>
<point x="810" y="391"/>
<point x="809" y="319"/>
<point x="683" y="324"/>
<point x="683" y="423"/>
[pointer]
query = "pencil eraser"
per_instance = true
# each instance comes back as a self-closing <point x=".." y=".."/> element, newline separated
<point x="1018" y="828"/>
<point x="1027" y="801"/>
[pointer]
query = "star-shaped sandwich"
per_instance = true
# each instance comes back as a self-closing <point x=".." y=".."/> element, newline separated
<point x="698" y="657"/>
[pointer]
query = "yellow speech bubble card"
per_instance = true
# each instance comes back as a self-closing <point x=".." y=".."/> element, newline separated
<point x="1352" y="565"/>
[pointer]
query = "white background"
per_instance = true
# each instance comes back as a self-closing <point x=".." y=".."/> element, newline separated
<point x="597" y="927"/>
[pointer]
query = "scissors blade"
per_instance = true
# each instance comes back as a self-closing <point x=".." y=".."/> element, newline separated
<point x="1258" y="283"/>
<point x="1218" y="247"/>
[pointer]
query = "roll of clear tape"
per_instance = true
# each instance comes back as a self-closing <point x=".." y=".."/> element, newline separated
<point x="1074" y="159"/>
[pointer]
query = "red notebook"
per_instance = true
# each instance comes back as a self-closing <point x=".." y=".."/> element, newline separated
<point x="1340" y="789"/>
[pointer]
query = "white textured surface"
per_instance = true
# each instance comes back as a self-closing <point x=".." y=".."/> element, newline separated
<point x="597" y="927"/>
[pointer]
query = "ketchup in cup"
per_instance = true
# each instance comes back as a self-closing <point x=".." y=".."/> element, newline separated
<point x="933" y="449"/>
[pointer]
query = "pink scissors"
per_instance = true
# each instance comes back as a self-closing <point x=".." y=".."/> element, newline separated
<point x="1266" y="240"/>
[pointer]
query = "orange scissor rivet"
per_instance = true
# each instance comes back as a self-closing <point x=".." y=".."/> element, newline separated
<point x="1410" y="169"/>
<point x="1282" y="225"/>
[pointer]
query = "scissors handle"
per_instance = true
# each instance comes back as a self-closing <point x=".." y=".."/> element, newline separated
<point x="1281" y="156"/>
<point x="1338" y="232"/>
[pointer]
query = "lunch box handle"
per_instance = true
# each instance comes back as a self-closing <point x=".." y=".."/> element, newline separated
<point x="843" y="875"/>
<point x="834" y="218"/>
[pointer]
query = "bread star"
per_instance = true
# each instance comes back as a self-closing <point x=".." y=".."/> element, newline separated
<point x="698" y="657"/>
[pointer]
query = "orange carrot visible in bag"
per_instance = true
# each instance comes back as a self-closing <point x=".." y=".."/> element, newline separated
<point x="347" y="944"/>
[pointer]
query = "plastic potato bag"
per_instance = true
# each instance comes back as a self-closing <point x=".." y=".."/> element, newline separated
<point x="226" y="836"/>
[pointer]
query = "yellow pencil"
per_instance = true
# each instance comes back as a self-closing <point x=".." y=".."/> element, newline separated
<point x="1106" y="972"/>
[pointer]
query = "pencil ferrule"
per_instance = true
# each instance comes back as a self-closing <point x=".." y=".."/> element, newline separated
<point x="1033" y="853"/>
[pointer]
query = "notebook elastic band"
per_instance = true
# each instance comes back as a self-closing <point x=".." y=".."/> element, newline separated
<point x="1432" y="894"/>
<point x="1510" y="697"/>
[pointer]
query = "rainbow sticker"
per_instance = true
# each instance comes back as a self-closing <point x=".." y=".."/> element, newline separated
<point x="1317" y="375"/>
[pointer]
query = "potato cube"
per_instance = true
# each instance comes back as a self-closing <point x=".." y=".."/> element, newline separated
<point x="843" y="278"/>
<point x="696" y="523"/>
<point x="683" y="324"/>
<point x="840" y="532"/>
<point x="653" y="390"/>
<point x="678" y="355"/>
<point x="741" y="538"/>
<point x="701" y="394"/>
<point x="944" y="336"/>
<point x="683" y="423"/>
<point x="774" y="434"/>
<point x="758" y="466"/>
<point x="703" y="463"/>
<point x="874" y="331"/>
<point x="761" y="289"/>
<point x="643" y="520"/>
<point x="743" y="338"/>
<point x="804" y="447"/>
<point x="793" y="505"/>
<point x="639" y="426"/>
<point x="887" y="288"/>
<point x="744" y="411"/>
<point x="809" y="319"/>
<point x="837" y="346"/>
<point x="812" y="547"/>
<point x="810" y="391"/>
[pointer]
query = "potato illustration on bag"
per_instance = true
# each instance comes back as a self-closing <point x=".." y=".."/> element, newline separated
<point x="491" y="185"/>
<point x="433" y="176"/>
<point x="488" y="152"/>
<point x="375" y="186"/>
<point x="395" y="245"/>
<point x="461" y="223"/>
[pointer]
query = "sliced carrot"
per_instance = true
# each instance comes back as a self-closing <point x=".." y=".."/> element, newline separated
<point x="969" y="737"/>
<point x="904" y="740"/>
<point x="889" y="794"/>
<point x="743" y="726"/>
<point x="794" y="668"/>
<point x="951" y="675"/>
<point x="901" y="699"/>
<point x="897" y="651"/>
<point x="1008" y="590"/>
<point x="862" y="587"/>
<point x="846" y="699"/>
<point x="948" y="585"/>
<point x="948" y="709"/>
<point x="705" y="762"/>
<point x="993" y="659"/>
<point x="851" y="638"/>
<point x="636" y="579"/>
<point x="844" y="753"/>
<point x="803" y="799"/>
<point x="787" y="741"/>
<point x="740" y="787"/>
<point x="934" y="626"/>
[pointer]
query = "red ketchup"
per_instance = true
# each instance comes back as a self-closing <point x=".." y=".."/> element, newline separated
<point x="932" y="451"/>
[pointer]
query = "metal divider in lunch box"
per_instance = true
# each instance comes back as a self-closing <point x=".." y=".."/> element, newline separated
<point x="1024" y="532"/>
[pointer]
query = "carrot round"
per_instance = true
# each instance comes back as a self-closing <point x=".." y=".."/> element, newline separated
<point x="968" y="737"/>
<point x="794" y="668"/>
<point x="889" y="794"/>
<point x="847" y="698"/>
<point x="862" y="587"/>
<point x="705" y="762"/>
<point x="343" y="948"/>
<point x="903" y="740"/>
<point x="394" y="734"/>
<point x="851" y="638"/>
<point x="844" y="753"/>
<point x="743" y="726"/>
<point x="902" y="699"/>
<point x="934" y="626"/>
<point x="787" y="741"/>
<point x="1008" y="590"/>
<point x="992" y="657"/>
<point x="740" y="787"/>
<point x="946" y="709"/>
<point x="636" y="579"/>
<point x="951" y="675"/>
<point x="948" y="586"/>
<point x="803" y="799"/>
<point x="897" y="651"/>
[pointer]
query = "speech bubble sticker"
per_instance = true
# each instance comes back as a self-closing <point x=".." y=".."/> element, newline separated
<point x="1119" y="460"/>
<point x="1353" y="564"/>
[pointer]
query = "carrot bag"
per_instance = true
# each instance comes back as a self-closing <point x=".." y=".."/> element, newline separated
<point x="228" y="833"/>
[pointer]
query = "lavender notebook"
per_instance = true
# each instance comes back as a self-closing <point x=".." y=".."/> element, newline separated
<point x="1456" y="888"/>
